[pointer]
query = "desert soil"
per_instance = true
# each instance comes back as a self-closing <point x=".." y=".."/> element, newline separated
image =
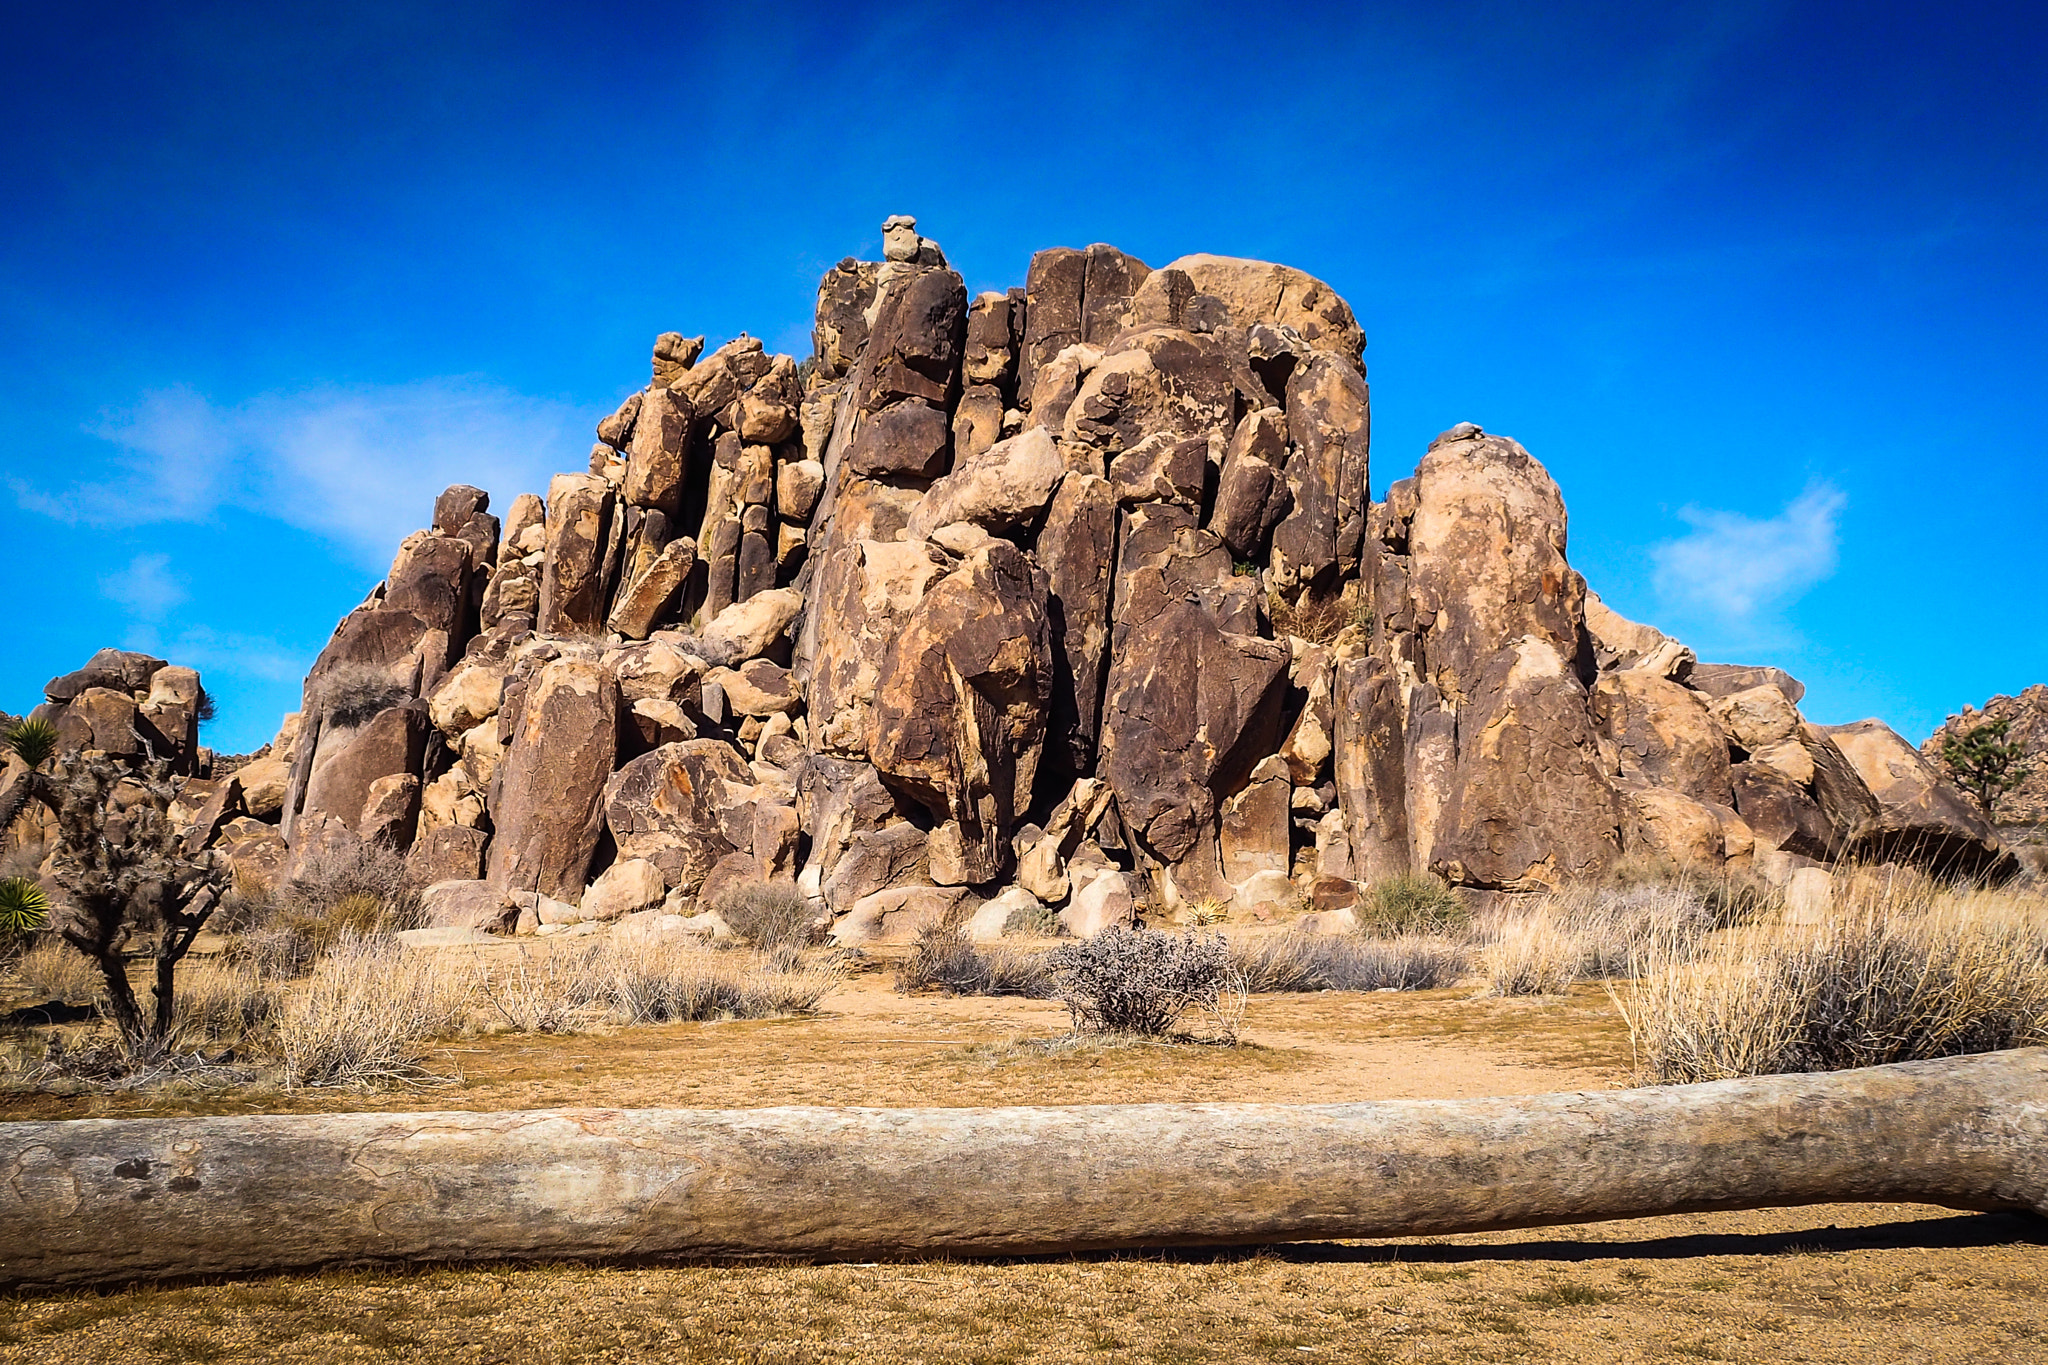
<point x="1829" y="1283"/>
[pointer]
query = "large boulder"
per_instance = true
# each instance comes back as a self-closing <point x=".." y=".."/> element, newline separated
<point x="351" y="759"/>
<point x="1653" y="730"/>
<point x="682" y="807"/>
<point x="548" y="810"/>
<point x="1329" y="418"/>
<point x="862" y="593"/>
<point x="1078" y="551"/>
<point x="1258" y="291"/>
<point x="572" y="589"/>
<point x="1007" y="485"/>
<point x="1921" y="817"/>
<point x="961" y="701"/>
<point x="1159" y="381"/>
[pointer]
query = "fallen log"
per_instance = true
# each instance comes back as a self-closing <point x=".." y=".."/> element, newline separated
<point x="100" y="1200"/>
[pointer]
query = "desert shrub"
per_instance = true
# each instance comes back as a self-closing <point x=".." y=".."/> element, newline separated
<point x="1330" y="962"/>
<point x="942" y="959"/>
<point x="541" y="991"/>
<point x="1316" y="618"/>
<point x="220" y="1002"/>
<point x="1532" y="956"/>
<point x="767" y="914"/>
<point x="1142" y="981"/>
<point x="354" y="693"/>
<point x="1032" y="921"/>
<point x="361" y="891"/>
<point x="365" y="1016"/>
<point x="1587" y="933"/>
<point x="1891" y="977"/>
<point x="54" y="970"/>
<point x="1413" y="903"/>
<point x="656" y="981"/>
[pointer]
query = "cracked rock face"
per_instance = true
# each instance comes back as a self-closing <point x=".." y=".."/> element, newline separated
<point x="1078" y="586"/>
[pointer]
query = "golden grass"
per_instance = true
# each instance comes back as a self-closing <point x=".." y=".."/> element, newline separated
<point x="1901" y="969"/>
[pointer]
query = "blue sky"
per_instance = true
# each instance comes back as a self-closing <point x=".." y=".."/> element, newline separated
<point x="1761" y="284"/>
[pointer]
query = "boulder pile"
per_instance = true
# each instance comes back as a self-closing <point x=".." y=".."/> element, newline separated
<point x="1074" y="593"/>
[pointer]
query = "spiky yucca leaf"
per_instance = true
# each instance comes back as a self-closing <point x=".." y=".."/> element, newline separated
<point x="23" y="906"/>
<point x="33" y="741"/>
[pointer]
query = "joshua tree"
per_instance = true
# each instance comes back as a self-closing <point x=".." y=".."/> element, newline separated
<point x="124" y="873"/>
<point x="1986" y="764"/>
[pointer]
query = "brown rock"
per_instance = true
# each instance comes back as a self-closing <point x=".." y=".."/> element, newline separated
<point x="1368" y="759"/>
<point x="1052" y="311"/>
<point x="100" y="718"/>
<point x="548" y="813"/>
<point x="1659" y="733"/>
<point x="876" y="860"/>
<point x="658" y="457"/>
<point x="837" y="799"/>
<point x="391" y="811"/>
<point x="350" y="760"/>
<point x="988" y="358"/>
<point x="680" y="808"/>
<point x="1162" y="468"/>
<point x="580" y="510"/>
<point x="906" y="439"/>
<point x="1921" y="818"/>
<point x="914" y="351"/>
<point x="646" y="599"/>
<point x="1783" y="815"/>
<point x="1190" y="710"/>
<point x="1078" y="549"/>
<point x="1255" y="291"/>
<point x="447" y="853"/>
<point x="1155" y="381"/>
<point x="961" y="700"/>
<point x="1722" y="680"/>
<point x="1251" y="495"/>
<point x="861" y="595"/>
<point x="673" y="354"/>
<point x="977" y="421"/>
<point x="432" y="579"/>
<point x="841" y="331"/>
<point x="1256" y="824"/>
<point x="1329" y="418"/>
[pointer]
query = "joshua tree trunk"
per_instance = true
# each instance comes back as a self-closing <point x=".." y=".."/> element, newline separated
<point x="99" y="1200"/>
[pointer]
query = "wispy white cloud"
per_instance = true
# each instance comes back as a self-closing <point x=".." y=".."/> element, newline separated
<point x="1734" y="574"/>
<point x="360" y="465"/>
<point x="146" y="587"/>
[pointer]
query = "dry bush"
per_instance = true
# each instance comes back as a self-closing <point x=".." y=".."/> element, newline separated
<point x="1316" y="619"/>
<point x="665" y="980"/>
<point x="354" y="693"/>
<point x="942" y="959"/>
<point x="1900" y="972"/>
<point x="541" y="991"/>
<point x="767" y="914"/>
<point x="362" y="891"/>
<point x="365" y="1016"/>
<point x="1593" y="932"/>
<point x="1328" y="962"/>
<point x="1142" y="981"/>
<point x="55" y="970"/>
<point x="1414" y="903"/>
<point x="220" y="1002"/>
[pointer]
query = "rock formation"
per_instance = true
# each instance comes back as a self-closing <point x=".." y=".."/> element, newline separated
<point x="1078" y="586"/>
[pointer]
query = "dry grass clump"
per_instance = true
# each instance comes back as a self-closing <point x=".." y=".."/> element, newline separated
<point x="942" y="959"/>
<point x="1143" y="981"/>
<point x="1329" y="962"/>
<point x="1901" y="971"/>
<point x="55" y="970"/>
<point x="663" y="981"/>
<point x="1593" y="932"/>
<point x="767" y="914"/>
<point x="1316" y="618"/>
<point x="366" y="1015"/>
<point x="1413" y="903"/>
<point x="221" y="1002"/>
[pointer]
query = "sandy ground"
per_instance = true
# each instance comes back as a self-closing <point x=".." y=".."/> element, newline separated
<point x="1830" y="1283"/>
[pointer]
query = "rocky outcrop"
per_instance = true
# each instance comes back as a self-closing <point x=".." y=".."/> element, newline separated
<point x="1078" y="586"/>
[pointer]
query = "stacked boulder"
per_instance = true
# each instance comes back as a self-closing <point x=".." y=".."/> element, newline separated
<point x="1074" y="593"/>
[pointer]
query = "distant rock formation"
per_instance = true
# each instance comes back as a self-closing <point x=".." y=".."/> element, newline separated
<point x="2022" y="812"/>
<point x="1077" y="587"/>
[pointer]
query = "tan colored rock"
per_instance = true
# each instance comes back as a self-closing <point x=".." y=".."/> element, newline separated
<point x="1327" y="476"/>
<point x="391" y="811"/>
<point x="579" y="516"/>
<point x="1104" y="899"/>
<point x="626" y="886"/>
<point x="895" y="915"/>
<point x="1667" y="824"/>
<point x="645" y="601"/>
<point x="1258" y="291"/>
<point x="1006" y="485"/>
<point x="467" y="905"/>
<point x="1757" y="717"/>
<point x="682" y="807"/>
<point x="862" y="594"/>
<point x="1655" y="731"/>
<point x="797" y="485"/>
<point x="1256" y="824"/>
<point x="750" y="629"/>
<point x="447" y="853"/>
<point x="263" y="787"/>
<point x="467" y="697"/>
<point x="1921" y="818"/>
<point x="757" y="688"/>
<point x="1158" y="381"/>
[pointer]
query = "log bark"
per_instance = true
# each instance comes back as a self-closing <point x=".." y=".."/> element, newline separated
<point x="101" y="1200"/>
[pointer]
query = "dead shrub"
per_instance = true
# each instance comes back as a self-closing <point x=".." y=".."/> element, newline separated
<point x="942" y="959"/>
<point x="659" y="981"/>
<point x="1296" y="962"/>
<point x="220" y="1002"/>
<point x="361" y="891"/>
<point x="541" y="991"/>
<point x="767" y="914"/>
<point x="55" y="970"/>
<point x="1143" y="981"/>
<point x="1316" y="618"/>
<point x="354" y="693"/>
<point x="365" y="1016"/>
<point x="1592" y="933"/>
<point x="1898" y="973"/>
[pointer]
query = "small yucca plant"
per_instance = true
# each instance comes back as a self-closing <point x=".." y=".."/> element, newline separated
<point x="33" y="741"/>
<point x="23" y="907"/>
